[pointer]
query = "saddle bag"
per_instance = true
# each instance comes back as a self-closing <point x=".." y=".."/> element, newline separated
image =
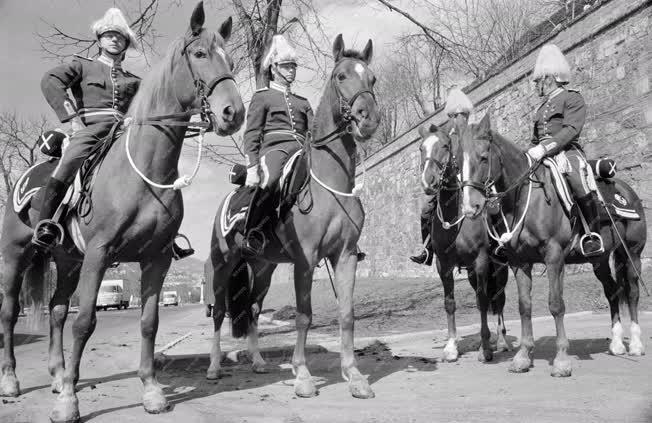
<point x="238" y="174"/>
<point x="603" y="168"/>
<point x="51" y="143"/>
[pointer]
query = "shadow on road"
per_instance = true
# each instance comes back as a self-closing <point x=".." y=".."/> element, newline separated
<point x="21" y="339"/>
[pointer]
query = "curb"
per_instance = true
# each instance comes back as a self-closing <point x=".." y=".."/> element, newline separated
<point x="173" y="343"/>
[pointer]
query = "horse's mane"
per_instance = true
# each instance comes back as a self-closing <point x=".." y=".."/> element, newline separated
<point x="157" y="86"/>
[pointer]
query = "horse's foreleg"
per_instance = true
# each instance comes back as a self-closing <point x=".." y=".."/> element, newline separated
<point x="345" y="267"/>
<point x="561" y="366"/>
<point x="602" y="271"/>
<point x="262" y="278"/>
<point x="499" y="275"/>
<point x="522" y="361"/>
<point x="14" y="267"/>
<point x="220" y="283"/>
<point x="66" y="407"/>
<point x="303" y="384"/>
<point x="479" y="273"/>
<point x="445" y="270"/>
<point x="630" y="284"/>
<point x="67" y="279"/>
<point x="153" y="274"/>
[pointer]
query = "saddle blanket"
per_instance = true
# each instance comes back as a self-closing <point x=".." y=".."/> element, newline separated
<point x="606" y="189"/>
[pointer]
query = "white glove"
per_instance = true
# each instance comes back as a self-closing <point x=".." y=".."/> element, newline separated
<point x="537" y="153"/>
<point x="253" y="179"/>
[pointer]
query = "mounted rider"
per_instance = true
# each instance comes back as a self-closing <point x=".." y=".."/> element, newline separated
<point x="557" y="126"/>
<point x="102" y="92"/>
<point x="457" y="105"/>
<point x="277" y="123"/>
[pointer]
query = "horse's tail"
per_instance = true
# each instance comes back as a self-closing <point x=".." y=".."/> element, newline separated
<point x="35" y="281"/>
<point x="239" y="300"/>
<point x="497" y="281"/>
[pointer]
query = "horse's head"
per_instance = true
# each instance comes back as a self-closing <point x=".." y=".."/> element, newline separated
<point x="438" y="158"/>
<point x="207" y="81"/>
<point x="479" y="166"/>
<point x="354" y="83"/>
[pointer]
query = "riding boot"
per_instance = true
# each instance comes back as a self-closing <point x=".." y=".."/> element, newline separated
<point x="592" y="244"/>
<point x="48" y="232"/>
<point x="425" y="257"/>
<point x="254" y="237"/>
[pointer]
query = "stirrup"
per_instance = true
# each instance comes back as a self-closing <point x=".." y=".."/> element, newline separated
<point x="47" y="227"/>
<point x="254" y="243"/>
<point x="179" y="253"/>
<point x="593" y="236"/>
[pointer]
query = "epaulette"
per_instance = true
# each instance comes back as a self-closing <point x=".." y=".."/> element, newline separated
<point x="83" y="57"/>
<point x="260" y="90"/>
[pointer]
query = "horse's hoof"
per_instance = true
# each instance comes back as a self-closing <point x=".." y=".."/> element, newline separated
<point x="561" y="368"/>
<point x="520" y="365"/>
<point x="259" y="368"/>
<point x="154" y="401"/>
<point x="9" y="386"/>
<point x="617" y="348"/>
<point x="360" y="388"/>
<point x="214" y="374"/>
<point x="636" y="349"/>
<point x="485" y="356"/>
<point x="450" y="355"/>
<point x="305" y="388"/>
<point x="66" y="410"/>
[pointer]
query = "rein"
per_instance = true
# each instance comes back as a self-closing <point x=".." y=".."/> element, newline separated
<point x="180" y="119"/>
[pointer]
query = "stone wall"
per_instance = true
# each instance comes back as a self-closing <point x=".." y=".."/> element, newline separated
<point x="609" y="50"/>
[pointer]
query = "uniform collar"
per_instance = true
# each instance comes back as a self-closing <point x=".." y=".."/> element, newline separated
<point x="555" y="93"/>
<point x="108" y="61"/>
<point x="279" y="87"/>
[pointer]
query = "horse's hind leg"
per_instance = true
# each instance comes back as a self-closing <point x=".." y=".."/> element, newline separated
<point x="66" y="407"/>
<point x="67" y="279"/>
<point x="445" y="270"/>
<point x="602" y="271"/>
<point x="479" y="275"/>
<point x="15" y="264"/>
<point x="221" y="274"/>
<point x="153" y="275"/>
<point x="498" y="278"/>
<point x="345" y="267"/>
<point x="262" y="278"/>
<point x="629" y="281"/>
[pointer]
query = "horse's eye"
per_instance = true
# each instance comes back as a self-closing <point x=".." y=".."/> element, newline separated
<point x="341" y="77"/>
<point x="200" y="54"/>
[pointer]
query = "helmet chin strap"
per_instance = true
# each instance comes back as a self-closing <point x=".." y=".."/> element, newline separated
<point x="276" y="73"/>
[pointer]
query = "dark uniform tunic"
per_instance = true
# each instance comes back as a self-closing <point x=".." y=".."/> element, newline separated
<point x="557" y="126"/>
<point x="277" y="123"/>
<point x="102" y="91"/>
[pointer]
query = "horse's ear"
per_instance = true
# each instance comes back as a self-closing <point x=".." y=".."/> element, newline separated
<point x="225" y="29"/>
<point x="338" y="47"/>
<point x="368" y="52"/>
<point x="484" y="127"/>
<point x="433" y="128"/>
<point x="197" y="18"/>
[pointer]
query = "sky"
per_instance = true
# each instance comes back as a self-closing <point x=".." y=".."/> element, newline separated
<point x="23" y="65"/>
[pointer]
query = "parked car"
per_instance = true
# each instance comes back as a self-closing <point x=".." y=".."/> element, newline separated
<point x="170" y="298"/>
<point x="112" y="295"/>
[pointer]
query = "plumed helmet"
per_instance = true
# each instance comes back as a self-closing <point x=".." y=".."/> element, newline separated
<point x="114" y="20"/>
<point x="551" y="62"/>
<point x="457" y="102"/>
<point x="280" y="51"/>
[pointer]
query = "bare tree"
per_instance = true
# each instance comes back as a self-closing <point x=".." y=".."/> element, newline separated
<point x="18" y="148"/>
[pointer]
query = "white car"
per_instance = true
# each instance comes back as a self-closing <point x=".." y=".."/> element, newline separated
<point x="170" y="298"/>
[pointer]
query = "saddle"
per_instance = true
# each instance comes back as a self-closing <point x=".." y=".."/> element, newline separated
<point x="237" y="204"/>
<point x="606" y="188"/>
<point x="27" y="192"/>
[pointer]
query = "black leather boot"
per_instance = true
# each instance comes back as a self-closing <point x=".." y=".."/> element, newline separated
<point x="254" y="239"/>
<point x="48" y="233"/>
<point x="591" y="244"/>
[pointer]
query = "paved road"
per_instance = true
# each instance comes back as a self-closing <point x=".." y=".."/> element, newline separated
<point x="411" y="384"/>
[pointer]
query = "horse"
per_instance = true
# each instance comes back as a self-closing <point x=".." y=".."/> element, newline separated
<point x="542" y="232"/>
<point x="325" y="222"/>
<point x="131" y="219"/>
<point x="463" y="242"/>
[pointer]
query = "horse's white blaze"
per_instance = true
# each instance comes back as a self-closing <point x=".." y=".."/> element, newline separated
<point x="466" y="190"/>
<point x="428" y="145"/>
<point x="221" y="52"/>
<point x="635" y="343"/>
<point x="359" y="69"/>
